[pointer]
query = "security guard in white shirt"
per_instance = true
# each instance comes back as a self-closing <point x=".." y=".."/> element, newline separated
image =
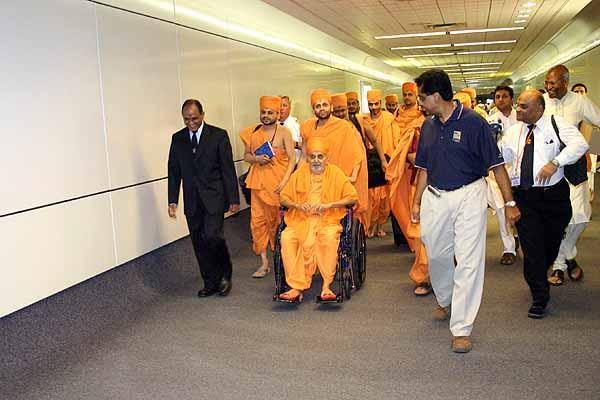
<point x="573" y="108"/>
<point x="540" y="190"/>
<point x="505" y="116"/>
<point x="291" y="123"/>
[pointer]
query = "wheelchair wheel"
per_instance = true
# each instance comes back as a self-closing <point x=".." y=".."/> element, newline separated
<point x="348" y="283"/>
<point x="278" y="271"/>
<point x="358" y="255"/>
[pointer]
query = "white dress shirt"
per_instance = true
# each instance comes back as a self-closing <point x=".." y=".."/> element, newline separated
<point x="198" y="133"/>
<point x="574" y="108"/>
<point x="294" y="127"/>
<point x="292" y="124"/>
<point x="506" y="122"/>
<point x="546" y="147"/>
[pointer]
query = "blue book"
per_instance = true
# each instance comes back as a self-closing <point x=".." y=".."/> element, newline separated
<point x="265" y="149"/>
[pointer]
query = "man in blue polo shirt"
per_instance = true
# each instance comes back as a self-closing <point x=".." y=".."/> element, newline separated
<point x="456" y="150"/>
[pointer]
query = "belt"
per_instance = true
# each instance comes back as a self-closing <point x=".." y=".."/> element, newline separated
<point x="538" y="188"/>
<point x="453" y="188"/>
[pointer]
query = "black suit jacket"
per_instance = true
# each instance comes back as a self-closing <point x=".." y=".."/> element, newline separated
<point x="208" y="176"/>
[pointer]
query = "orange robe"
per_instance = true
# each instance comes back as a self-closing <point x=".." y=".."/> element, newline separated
<point x="388" y="136"/>
<point x="405" y="116"/>
<point x="263" y="180"/>
<point x="310" y="240"/>
<point x="346" y="150"/>
<point x="402" y="176"/>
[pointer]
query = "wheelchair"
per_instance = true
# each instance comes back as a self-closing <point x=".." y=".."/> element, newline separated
<point x="351" y="270"/>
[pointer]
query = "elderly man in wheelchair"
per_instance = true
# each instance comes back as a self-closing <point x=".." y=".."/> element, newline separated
<point x="316" y="198"/>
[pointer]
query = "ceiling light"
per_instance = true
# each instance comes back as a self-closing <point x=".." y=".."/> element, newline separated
<point x="429" y="55"/>
<point x="520" y="21"/>
<point x="431" y="46"/>
<point x="466" y="31"/>
<point x="523" y="16"/>
<point x="529" y="5"/>
<point x="480" y="72"/>
<point x="409" y="35"/>
<point x="485" y="63"/>
<point x="460" y="32"/>
<point x="482" y="52"/>
<point x="439" y="66"/>
<point x="459" y="53"/>
<point x="480" y="69"/>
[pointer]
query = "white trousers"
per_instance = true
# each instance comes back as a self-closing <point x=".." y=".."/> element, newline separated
<point x="582" y="211"/>
<point x="454" y="226"/>
<point x="568" y="246"/>
<point x="508" y="240"/>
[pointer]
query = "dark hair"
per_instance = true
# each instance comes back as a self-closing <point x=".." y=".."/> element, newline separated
<point x="435" y="80"/>
<point x="192" y="102"/>
<point x="579" y="84"/>
<point x="510" y="90"/>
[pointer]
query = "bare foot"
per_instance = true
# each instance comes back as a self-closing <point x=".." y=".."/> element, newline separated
<point x="327" y="294"/>
<point x="291" y="295"/>
<point x="261" y="271"/>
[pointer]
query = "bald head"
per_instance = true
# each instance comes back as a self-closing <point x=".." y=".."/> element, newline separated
<point x="557" y="81"/>
<point x="530" y="106"/>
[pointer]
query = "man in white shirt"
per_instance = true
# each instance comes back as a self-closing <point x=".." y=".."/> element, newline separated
<point x="291" y="123"/>
<point x="532" y="148"/>
<point x="506" y="117"/>
<point x="574" y="109"/>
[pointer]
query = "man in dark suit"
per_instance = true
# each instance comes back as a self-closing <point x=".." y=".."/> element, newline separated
<point x="200" y="155"/>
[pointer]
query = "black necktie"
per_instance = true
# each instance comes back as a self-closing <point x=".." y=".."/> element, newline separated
<point x="194" y="142"/>
<point x="527" y="160"/>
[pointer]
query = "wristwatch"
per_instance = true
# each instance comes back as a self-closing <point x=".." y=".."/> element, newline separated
<point x="555" y="162"/>
<point x="511" y="203"/>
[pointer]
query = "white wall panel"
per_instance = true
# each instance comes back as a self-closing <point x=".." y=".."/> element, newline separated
<point x="206" y="76"/>
<point x="52" y="248"/>
<point x="52" y="139"/>
<point x="142" y="223"/>
<point x="138" y="57"/>
<point x="163" y="9"/>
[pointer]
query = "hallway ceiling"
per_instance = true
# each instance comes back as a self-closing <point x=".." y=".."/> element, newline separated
<point x="359" y="22"/>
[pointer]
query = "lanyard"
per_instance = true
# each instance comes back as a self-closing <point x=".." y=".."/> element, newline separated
<point x="521" y="152"/>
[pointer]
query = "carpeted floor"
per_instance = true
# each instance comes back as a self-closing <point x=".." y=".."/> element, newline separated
<point x="140" y="332"/>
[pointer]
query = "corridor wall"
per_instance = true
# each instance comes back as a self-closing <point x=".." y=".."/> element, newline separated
<point x="91" y="96"/>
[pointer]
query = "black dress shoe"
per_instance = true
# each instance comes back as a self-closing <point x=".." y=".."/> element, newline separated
<point x="537" y="311"/>
<point x="207" y="292"/>
<point x="224" y="287"/>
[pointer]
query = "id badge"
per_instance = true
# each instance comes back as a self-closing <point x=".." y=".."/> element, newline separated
<point x="515" y="181"/>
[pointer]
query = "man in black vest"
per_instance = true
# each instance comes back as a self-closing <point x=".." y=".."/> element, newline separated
<point x="200" y="155"/>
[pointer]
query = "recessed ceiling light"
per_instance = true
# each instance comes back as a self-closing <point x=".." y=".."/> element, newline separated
<point x="459" y="53"/>
<point x="439" y="66"/>
<point x="407" y="35"/>
<point x="459" y="32"/>
<point x="465" y="31"/>
<point x="520" y="21"/>
<point x="482" y="52"/>
<point x="523" y="16"/>
<point x="432" y="46"/>
<point x="479" y="72"/>
<point x="429" y="55"/>
<point x="529" y="5"/>
<point x="477" y="64"/>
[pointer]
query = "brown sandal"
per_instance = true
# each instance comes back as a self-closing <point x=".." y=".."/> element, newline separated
<point x="422" y="289"/>
<point x="557" y="278"/>
<point x="574" y="271"/>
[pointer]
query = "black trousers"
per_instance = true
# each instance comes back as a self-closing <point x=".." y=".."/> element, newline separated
<point x="399" y="238"/>
<point x="545" y="214"/>
<point x="206" y="232"/>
